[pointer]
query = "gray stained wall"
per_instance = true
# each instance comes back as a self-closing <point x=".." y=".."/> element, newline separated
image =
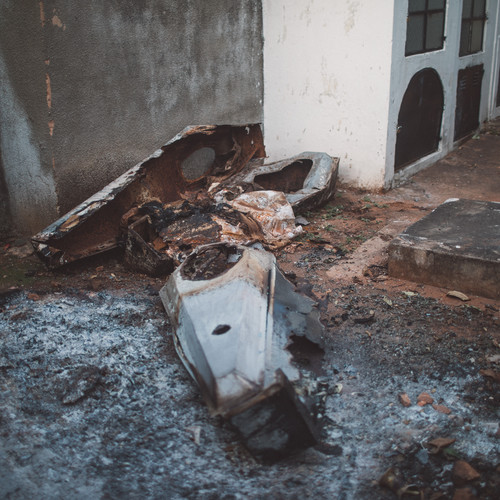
<point x="88" y="89"/>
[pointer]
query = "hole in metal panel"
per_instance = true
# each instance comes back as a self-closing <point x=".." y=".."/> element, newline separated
<point x="221" y="329"/>
<point x="289" y="179"/>
<point x="198" y="164"/>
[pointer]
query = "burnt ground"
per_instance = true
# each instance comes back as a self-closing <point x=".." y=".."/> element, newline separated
<point x="94" y="402"/>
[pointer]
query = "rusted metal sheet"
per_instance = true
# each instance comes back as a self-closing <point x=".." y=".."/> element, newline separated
<point x="207" y="184"/>
<point x="192" y="161"/>
<point x="233" y="312"/>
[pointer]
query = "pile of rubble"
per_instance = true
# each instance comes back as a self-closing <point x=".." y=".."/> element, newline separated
<point x="206" y="204"/>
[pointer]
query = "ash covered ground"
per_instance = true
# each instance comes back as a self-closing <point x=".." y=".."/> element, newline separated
<point x="96" y="404"/>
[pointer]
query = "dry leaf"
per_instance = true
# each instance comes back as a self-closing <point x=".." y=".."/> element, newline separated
<point x="494" y="375"/>
<point x="440" y="443"/>
<point x="458" y="295"/>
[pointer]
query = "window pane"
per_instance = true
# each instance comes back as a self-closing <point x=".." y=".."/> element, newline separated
<point x="478" y="10"/>
<point x="435" y="4"/>
<point x="415" y="34"/>
<point x="477" y="36"/>
<point x="434" y="39"/>
<point x="464" y="38"/>
<point x="414" y="5"/>
<point x="467" y="10"/>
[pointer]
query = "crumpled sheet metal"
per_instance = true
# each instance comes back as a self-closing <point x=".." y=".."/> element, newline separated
<point x="233" y="312"/>
<point x="192" y="160"/>
<point x="164" y="235"/>
<point x="307" y="179"/>
<point x="272" y="212"/>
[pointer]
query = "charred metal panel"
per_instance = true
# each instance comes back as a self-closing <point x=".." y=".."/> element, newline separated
<point x="167" y="175"/>
<point x="160" y="236"/>
<point x="308" y="179"/>
<point x="419" y="120"/>
<point x="233" y="313"/>
<point x="468" y="100"/>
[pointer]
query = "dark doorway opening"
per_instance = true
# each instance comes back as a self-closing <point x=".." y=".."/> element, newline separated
<point x="419" y="120"/>
<point x="468" y="100"/>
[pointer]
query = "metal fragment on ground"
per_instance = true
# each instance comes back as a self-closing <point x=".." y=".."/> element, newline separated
<point x="233" y="312"/>
<point x="273" y="214"/>
<point x="307" y="179"/>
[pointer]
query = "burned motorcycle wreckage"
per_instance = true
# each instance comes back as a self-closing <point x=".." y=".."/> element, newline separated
<point x="197" y="209"/>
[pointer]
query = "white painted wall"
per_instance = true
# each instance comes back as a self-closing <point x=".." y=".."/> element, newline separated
<point x="494" y="27"/>
<point x="447" y="63"/>
<point x="327" y="71"/>
<point x="335" y="73"/>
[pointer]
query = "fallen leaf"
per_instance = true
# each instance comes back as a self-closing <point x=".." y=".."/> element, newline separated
<point x="439" y="443"/>
<point x="410" y="294"/>
<point x="464" y="471"/>
<point x="442" y="409"/>
<point x="388" y="301"/>
<point x="33" y="296"/>
<point x="458" y="295"/>
<point x="494" y="375"/>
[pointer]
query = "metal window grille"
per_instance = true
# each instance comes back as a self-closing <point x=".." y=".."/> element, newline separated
<point x="425" y="26"/>
<point x="473" y="21"/>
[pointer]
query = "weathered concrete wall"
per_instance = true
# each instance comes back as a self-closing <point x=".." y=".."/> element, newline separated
<point x="5" y="219"/>
<point x="24" y="135"/>
<point x="97" y="86"/>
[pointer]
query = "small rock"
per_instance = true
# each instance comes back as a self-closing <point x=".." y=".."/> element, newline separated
<point x="422" y="456"/>
<point x="424" y="398"/>
<point x="464" y="472"/>
<point x="442" y="409"/>
<point x="404" y="399"/>
<point x="195" y="431"/>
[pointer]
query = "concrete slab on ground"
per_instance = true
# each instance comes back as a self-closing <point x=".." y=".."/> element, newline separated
<point x="455" y="246"/>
